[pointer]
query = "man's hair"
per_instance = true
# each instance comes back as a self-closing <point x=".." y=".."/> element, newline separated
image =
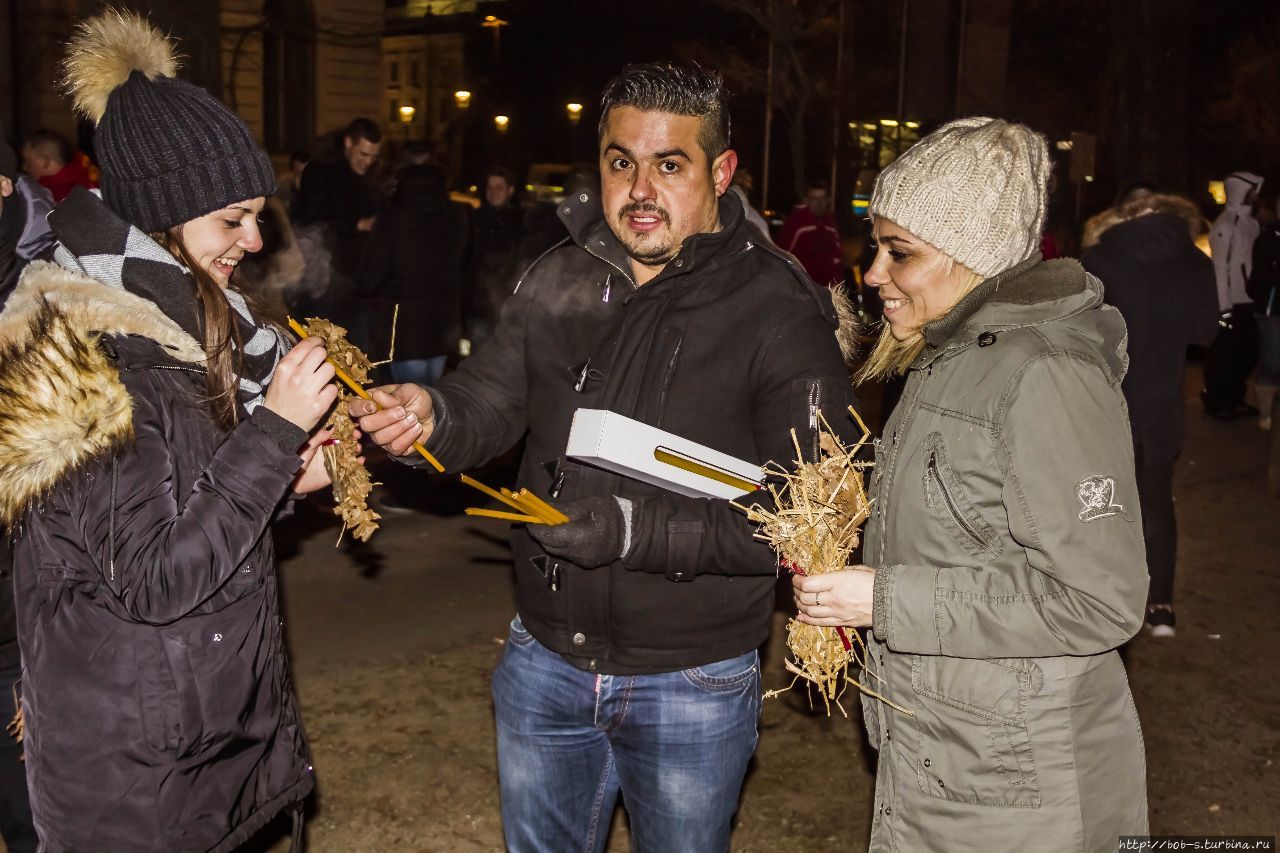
<point x="501" y="172"/>
<point x="415" y="152"/>
<point x="303" y="157"/>
<point x="818" y="185"/>
<point x="363" y="128"/>
<point x="52" y="144"/>
<point x="667" y="88"/>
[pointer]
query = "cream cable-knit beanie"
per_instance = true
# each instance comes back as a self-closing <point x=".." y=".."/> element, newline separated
<point x="974" y="188"/>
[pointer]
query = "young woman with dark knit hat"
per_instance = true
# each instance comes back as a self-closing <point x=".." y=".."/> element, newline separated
<point x="1004" y="556"/>
<point x="152" y="424"/>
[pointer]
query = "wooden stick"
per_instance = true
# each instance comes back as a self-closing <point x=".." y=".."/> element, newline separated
<point x="505" y="516"/>
<point x="538" y="503"/>
<point x="363" y="394"/>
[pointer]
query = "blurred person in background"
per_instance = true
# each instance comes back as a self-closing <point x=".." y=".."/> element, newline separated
<point x="1233" y="354"/>
<point x="810" y="233"/>
<point x="336" y="207"/>
<point x="414" y="260"/>
<point x="24" y="228"/>
<point x="1143" y="250"/>
<point x="1264" y="291"/>
<point x="16" y="825"/>
<point x="48" y="157"/>
<point x="492" y="254"/>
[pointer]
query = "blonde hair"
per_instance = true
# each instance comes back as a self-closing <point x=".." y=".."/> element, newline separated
<point x="891" y="357"/>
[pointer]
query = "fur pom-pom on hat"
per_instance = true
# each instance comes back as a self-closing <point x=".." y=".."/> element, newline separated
<point x="105" y="50"/>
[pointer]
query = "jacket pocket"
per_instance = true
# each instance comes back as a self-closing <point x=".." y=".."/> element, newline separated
<point x="975" y="746"/>
<point x="726" y="676"/>
<point x="946" y="496"/>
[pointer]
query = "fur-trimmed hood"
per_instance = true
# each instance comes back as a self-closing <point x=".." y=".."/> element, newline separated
<point x="61" y="399"/>
<point x="1176" y="205"/>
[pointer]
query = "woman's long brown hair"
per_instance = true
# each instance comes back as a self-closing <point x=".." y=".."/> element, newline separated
<point x="221" y="343"/>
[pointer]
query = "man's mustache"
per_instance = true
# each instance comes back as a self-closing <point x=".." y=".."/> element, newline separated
<point x="644" y="208"/>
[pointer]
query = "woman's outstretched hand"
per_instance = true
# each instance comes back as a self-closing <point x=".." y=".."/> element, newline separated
<point x="835" y="599"/>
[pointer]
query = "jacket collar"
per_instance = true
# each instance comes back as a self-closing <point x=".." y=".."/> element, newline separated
<point x="583" y="216"/>
<point x="1028" y="294"/>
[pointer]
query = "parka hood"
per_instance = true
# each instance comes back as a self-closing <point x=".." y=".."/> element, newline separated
<point x="61" y="399"/>
<point x="1034" y="292"/>
<point x="1174" y="205"/>
<point x="1238" y="185"/>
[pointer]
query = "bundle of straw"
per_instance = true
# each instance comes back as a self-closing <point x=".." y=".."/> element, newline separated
<point x="351" y="480"/>
<point x="815" y="525"/>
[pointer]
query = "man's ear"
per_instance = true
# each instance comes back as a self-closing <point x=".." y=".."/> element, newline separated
<point x="722" y="169"/>
<point x="6" y="187"/>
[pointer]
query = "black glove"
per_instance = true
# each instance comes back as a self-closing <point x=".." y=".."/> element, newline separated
<point x="595" y="535"/>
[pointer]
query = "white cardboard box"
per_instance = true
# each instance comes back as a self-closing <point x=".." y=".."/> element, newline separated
<point x="634" y="449"/>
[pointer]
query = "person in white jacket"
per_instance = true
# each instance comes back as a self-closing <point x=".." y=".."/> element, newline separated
<point x="1231" y="358"/>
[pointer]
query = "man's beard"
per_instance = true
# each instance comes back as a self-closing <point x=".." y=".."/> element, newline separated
<point x="642" y="251"/>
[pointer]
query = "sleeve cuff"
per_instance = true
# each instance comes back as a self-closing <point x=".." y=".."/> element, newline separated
<point x="881" y="604"/>
<point x="904" y="607"/>
<point x="289" y="436"/>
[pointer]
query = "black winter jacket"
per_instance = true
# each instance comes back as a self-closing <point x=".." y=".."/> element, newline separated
<point x="731" y="346"/>
<point x="1164" y="288"/>
<point x="157" y="698"/>
<point x="414" y="259"/>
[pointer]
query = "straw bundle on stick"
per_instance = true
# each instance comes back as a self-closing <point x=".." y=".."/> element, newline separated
<point x="351" y="480"/>
<point x="815" y="525"/>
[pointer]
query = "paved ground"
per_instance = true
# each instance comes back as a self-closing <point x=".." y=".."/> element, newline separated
<point x="393" y="644"/>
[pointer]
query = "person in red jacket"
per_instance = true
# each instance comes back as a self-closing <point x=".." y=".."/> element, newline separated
<point x="48" y="157"/>
<point x="810" y="234"/>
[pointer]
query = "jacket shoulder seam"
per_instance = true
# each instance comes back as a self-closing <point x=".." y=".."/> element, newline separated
<point x="529" y="269"/>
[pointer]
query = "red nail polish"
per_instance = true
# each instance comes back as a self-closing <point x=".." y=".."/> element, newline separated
<point x="328" y="442"/>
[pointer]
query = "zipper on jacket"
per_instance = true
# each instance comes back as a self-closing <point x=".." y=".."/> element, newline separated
<point x="815" y="406"/>
<point x="954" y="510"/>
<point x="621" y="271"/>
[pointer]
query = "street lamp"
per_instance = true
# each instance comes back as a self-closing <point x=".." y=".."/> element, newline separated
<point x="462" y="98"/>
<point x="501" y="122"/>
<point x="575" y="112"/>
<point x="406" y="114"/>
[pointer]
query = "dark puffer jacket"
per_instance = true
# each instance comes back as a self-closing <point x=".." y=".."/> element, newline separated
<point x="731" y="346"/>
<point x="157" y="697"/>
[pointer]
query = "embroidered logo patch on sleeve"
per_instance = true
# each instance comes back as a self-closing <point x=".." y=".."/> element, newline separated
<point x="1097" y="493"/>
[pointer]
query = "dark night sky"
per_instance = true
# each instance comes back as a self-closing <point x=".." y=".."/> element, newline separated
<point x="556" y="51"/>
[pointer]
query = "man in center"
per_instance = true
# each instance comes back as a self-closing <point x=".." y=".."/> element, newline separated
<point x="632" y="665"/>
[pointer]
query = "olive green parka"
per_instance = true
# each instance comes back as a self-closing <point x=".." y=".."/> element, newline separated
<point x="1008" y="545"/>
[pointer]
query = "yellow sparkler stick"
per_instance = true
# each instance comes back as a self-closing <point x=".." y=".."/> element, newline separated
<point x="363" y="394"/>
<point x="556" y="516"/>
<point x="526" y="505"/>
<point x="505" y="516"/>
<point x="498" y="496"/>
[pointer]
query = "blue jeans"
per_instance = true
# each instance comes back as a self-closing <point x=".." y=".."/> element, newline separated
<point x="420" y="371"/>
<point x="676" y="745"/>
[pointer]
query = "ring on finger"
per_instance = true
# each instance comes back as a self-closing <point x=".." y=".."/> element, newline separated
<point x="817" y="599"/>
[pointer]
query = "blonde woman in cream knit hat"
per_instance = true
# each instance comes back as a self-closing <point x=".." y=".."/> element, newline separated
<point x="1004" y="559"/>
